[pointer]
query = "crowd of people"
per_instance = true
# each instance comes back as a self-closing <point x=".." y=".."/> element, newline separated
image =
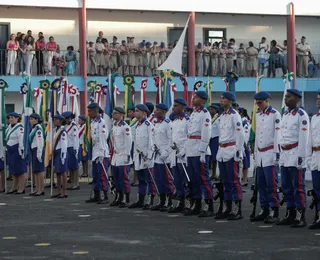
<point x="143" y="58"/>
<point x="170" y="154"/>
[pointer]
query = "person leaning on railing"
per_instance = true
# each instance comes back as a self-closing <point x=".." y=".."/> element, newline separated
<point x="12" y="47"/>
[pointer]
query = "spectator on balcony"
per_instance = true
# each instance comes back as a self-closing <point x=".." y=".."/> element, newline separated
<point x="71" y="61"/>
<point x="283" y="49"/>
<point x="30" y="52"/>
<point x="235" y="47"/>
<point x="222" y="59"/>
<point x="224" y="41"/>
<point x="154" y="58"/>
<point x="51" y="48"/>
<point x="22" y="54"/>
<point x="185" y="60"/>
<point x="114" y="48"/>
<point x="139" y="57"/>
<point x="40" y="48"/>
<point x="131" y="55"/>
<point x="198" y="51"/>
<point x="252" y="60"/>
<point x="206" y="58"/>
<point x="124" y="51"/>
<point x="29" y="33"/>
<point x="106" y="52"/>
<point x="230" y="54"/>
<point x="214" y="53"/>
<point x="12" y="47"/>
<point x="92" y="66"/>
<point x="262" y="56"/>
<point x="100" y="36"/>
<point x="312" y="66"/>
<point x="99" y="46"/>
<point x="59" y="61"/>
<point x="162" y="53"/>
<point x="275" y="60"/>
<point x="241" y="56"/>
<point x="146" y="57"/>
<point x="303" y="49"/>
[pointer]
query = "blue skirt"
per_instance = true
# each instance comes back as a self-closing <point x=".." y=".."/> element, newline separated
<point x="17" y="165"/>
<point x="36" y="165"/>
<point x="214" y="146"/>
<point x="73" y="163"/>
<point x="88" y="156"/>
<point x="246" y="160"/>
<point x="57" y="164"/>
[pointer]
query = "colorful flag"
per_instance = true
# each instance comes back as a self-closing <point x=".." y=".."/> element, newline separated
<point x="73" y="94"/>
<point x="288" y="82"/>
<point x="128" y="82"/>
<point x="143" y="87"/>
<point x="208" y="86"/>
<point x="44" y="86"/>
<point x="185" y="89"/>
<point x="196" y="86"/>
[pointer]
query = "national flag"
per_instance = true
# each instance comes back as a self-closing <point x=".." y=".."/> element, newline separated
<point x="3" y="86"/>
<point x="167" y="97"/>
<point x="143" y="87"/>
<point x="288" y="81"/>
<point x="44" y="86"/>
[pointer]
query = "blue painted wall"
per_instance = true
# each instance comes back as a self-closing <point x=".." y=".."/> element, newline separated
<point x="243" y="85"/>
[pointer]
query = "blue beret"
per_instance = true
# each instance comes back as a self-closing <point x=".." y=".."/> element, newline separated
<point x="14" y="114"/>
<point x="131" y="108"/>
<point x="82" y="117"/>
<point x="162" y="106"/>
<point x="59" y="117"/>
<point x="229" y="95"/>
<point x="295" y="92"/>
<point x="35" y="116"/>
<point x="155" y="43"/>
<point x="120" y="110"/>
<point x="262" y="95"/>
<point x="214" y="106"/>
<point x="67" y="114"/>
<point x="149" y="105"/>
<point x="202" y="94"/>
<point x="180" y="101"/>
<point x="148" y="43"/>
<point x="93" y="105"/>
<point x="142" y="107"/>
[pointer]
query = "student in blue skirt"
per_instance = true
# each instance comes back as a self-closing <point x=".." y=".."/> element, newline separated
<point x="60" y="156"/>
<point x="36" y="141"/>
<point x="15" y="153"/>
<point x="72" y="131"/>
<point x="83" y="158"/>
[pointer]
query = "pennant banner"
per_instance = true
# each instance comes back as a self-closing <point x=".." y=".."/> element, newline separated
<point x="143" y="87"/>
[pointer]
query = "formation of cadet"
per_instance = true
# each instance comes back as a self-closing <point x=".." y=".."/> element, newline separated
<point x="170" y="153"/>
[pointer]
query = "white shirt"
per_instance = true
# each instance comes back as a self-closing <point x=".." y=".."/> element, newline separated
<point x="62" y="143"/>
<point x="144" y="142"/>
<point x="14" y="135"/>
<point x="162" y="138"/>
<point x="73" y="136"/>
<point x="122" y="142"/>
<point x="262" y="52"/>
<point x="314" y="141"/>
<point x="133" y="125"/>
<point x="267" y="135"/>
<point x="231" y="131"/>
<point x="38" y="140"/>
<point x="215" y="126"/>
<point x="294" y="129"/>
<point x="199" y="133"/>
<point x="81" y="133"/>
<point x="304" y="46"/>
<point x="99" y="136"/>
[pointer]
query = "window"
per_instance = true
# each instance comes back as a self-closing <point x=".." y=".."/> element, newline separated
<point x="9" y="108"/>
<point x="214" y="34"/>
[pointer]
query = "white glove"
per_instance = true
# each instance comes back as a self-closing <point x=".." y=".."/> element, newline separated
<point x="237" y="157"/>
<point x="63" y="160"/>
<point x="181" y="153"/>
<point x="163" y="156"/>
<point x="126" y="159"/>
<point x="76" y="154"/>
<point x="39" y="159"/>
<point x="203" y="157"/>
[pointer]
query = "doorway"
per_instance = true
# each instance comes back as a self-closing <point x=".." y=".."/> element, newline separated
<point x="174" y="34"/>
<point x="4" y="37"/>
<point x="213" y="35"/>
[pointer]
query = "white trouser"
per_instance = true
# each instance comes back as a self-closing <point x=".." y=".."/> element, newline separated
<point x="29" y="63"/>
<point x="12" y="56"/>
<point x="48" y="60"/>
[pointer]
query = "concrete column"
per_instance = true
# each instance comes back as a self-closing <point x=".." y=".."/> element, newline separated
<point x="191" y="45"/>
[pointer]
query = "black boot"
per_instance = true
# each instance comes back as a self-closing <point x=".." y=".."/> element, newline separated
<point x="237" y="212"/>
<point x="149" y="204"/>
<point x="161" y="203"/>
<point x="262" y="215"/>
<point x="167" y="207"/>
<point x="316" y="223"/>
<point x="124" y="203"/>
<point x="93" y="197"/>
<point x="139" y="203"/>
<point x="207" y="212"/>
<point x="179" y="208"/>
<point x="196" y="209"/>
<point x="103" y="197"/>
<point x="115" y="202"/>
<point x="225" y="214"/>
<point x="300" y="220"/>
<point x="273" y="216"/>
<point x="289" y="218"/>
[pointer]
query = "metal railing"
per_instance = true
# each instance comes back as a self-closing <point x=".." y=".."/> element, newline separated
<point x="67" y="64"/>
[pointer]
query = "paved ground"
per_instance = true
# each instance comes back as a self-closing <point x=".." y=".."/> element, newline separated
<point x="112" y="233"/>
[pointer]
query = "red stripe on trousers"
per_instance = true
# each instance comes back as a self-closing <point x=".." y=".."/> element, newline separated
<point x="303" y="199"/>
<point x="205" y="181"/>
<point x="125" y="179"/>
<point x="274" y="186"/>
<point x="168" y="179"/>
<point x="103" y="177"/>
<point x="235" y="180"/>
<point x="153" y="187"/>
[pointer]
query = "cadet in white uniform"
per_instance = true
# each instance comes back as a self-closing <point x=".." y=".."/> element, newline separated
<point x="294" y="139"/>
<point x="162" y="139"/>
<point x="121" y="158"/>
<point x="83" y="158"/>
<point x="314" y="162"/>
<point x="229" y="155"/>
<point x="133" y="124"/>
<point x="214" y="140"/>
<point x="267" y="154"/>
<point x="198" y="152"/>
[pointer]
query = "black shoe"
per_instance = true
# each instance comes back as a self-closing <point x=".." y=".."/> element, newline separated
<point x="273" y="216"/>
<point x="300" y="220"/>
<point x="262" y="215"/>
<point x="224" y="214"/>
<point x="115" y="202"/>
<point x="177" y="209"/>
<point x="134" y="184"/>
<point x="206" y="213"/>
<point x="55" y="196"/>
<point x="149" y="204"/>
<point x="9" y="178"/>
<point x="33" y="193"/>
<point x="20" y="192"/>
<point x="93" y="197"/>
<point x="11" y="192"/>
<point x="2" y="191"/>
<point x="237" y="213"/>
<point x="289" y="218"/>
<point x="62" y="196"/>
<point x="103" y="197"/>
<point x="316" y="222"/>
<point x="84" y="175"/>
<point x="156" y="207"/>
<point x="139" y="203"/>
<point x="123" y="205"/>
<point x="195" y="211"/>
<point x="39" y="194"/>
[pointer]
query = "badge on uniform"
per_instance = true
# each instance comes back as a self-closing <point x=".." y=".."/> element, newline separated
<point x="207" y="120"/>
<point x="304" y="129"/>
<point x="127" y="129"/>
<point x="277" y="121"/>
<point x="238" y="124"/>
<point x="304" y="122"/>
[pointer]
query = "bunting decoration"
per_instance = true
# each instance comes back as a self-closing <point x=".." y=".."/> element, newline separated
<point x="3" y="86"/>
<point x="185" y="88"/>
<point x="44" y="86"/>
<point x="196" y="86"/>
<point x="73" y="92"/>
<point x="208" y="86"/>
<point x="91" y="85"/>
<point x="143" y="87"/>
<point x="128" y="82"/>
<point x="97" y="93"/>
<point x="231" y="80"/>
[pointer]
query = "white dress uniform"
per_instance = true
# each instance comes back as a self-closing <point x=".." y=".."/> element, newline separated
<point x="214" y="141"/>
<point x="60" y="160"/>
<point x="37" y="148"/>
<point x="99" y="137"/>
<point x="73" y="145"/>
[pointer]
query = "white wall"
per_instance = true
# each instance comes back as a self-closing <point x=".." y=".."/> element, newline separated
<point x="152" y="26"/>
